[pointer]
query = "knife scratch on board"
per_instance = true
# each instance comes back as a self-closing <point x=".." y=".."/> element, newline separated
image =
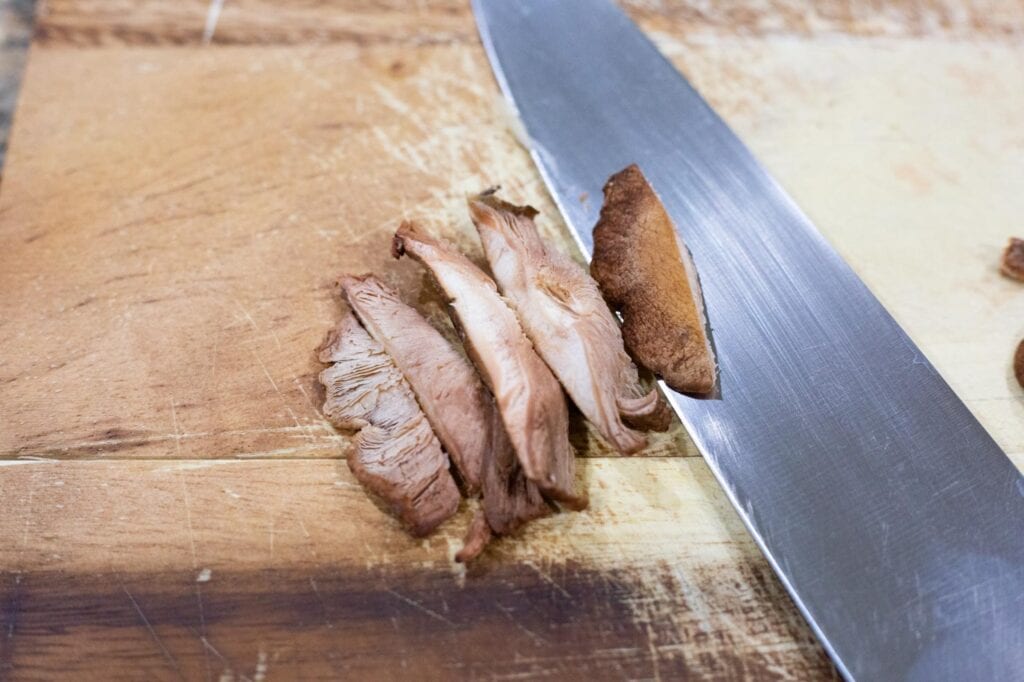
<point x="168" y="656"/>
<point x="418" y="606"/>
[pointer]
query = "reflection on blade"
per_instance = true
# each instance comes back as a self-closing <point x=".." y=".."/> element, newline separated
<point x="892" y="517"/>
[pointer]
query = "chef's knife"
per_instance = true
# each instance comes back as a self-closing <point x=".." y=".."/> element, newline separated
<point x="890" y="515"/>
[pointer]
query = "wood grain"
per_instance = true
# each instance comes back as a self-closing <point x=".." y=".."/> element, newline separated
<point x="287" y="565"/>
<point x="208" y="202"/>
<point x="171" y="221"/>
<point x="991" y="20"/>
<point x="92" y="23"/>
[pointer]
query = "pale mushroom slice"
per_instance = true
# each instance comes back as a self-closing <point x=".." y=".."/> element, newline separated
<point x="394" y="453"/>
<point x="562" y="312"/>
<point x="447" y="387"/>
<point x="529" y="397"/>
<point x="458" y="406"/>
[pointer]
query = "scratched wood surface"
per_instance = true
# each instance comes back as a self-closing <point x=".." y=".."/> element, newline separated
<point x="181" y="187"/>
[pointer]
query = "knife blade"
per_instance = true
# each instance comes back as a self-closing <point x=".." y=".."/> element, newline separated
<point x="891" y="516"/>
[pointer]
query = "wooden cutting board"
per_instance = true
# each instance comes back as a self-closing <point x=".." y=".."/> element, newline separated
<point x="184" y="181"/>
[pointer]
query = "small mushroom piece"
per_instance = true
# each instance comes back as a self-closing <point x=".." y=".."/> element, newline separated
<point x="1013" y="259"/>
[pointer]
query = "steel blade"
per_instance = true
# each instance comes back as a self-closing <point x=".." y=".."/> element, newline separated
<point x="891" y="516"/>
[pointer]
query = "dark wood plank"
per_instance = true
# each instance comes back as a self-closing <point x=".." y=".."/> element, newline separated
<point x="92" y="23"/>
<point x="397" y="625"/>
<point x="220" y="570"/>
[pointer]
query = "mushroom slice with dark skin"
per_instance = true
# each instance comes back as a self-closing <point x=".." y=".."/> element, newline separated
<point x="645" y="271"/>
<point x="529" y="397"/>
<point x="395" y="454"/>
<point x="458" y="406"/>
<point x="570" y="325"/>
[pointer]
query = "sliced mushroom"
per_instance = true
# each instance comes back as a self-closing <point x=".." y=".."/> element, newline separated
<point x="529" y="398"/>
<point x="447" y="387"/>
<point x="458" y="406"/>
<point x="645" y="271"/>
<point x="395" y="454"/>
<point x="563" y="314"/>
